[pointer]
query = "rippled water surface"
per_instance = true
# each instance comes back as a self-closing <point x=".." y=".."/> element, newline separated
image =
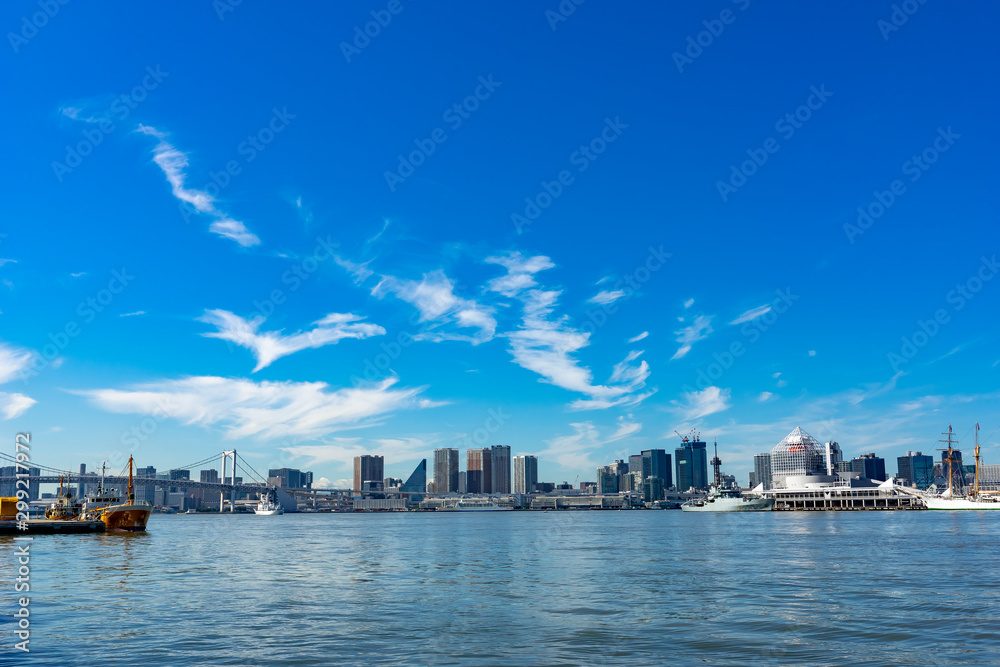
<point x="518" y="588"/>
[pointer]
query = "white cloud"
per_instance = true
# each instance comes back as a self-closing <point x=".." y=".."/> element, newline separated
<point x="134" y="314"/>
<point x="434" y="296"/>
<point x="265" y="410"/>
<point x="546" y="346"/>
<point x="174" y="162"/>
<point x="361" y="272"/>
<point x="7" y="261"/>
<point x="636" y="339"/>
<point x="14" y="405"/>
<point x="12" y="361"/>
<point x="752" y="314"/>
<point x="689" y="335"/>
<point x="689" y="303"/>
<point x="574" y="451"/>
<point x="270" y="346"/>
<point x="765" y="396"/>
<point x="605" y="297"/>
<point x="698" y="404"/>
<point x="521" y="272"/>
<point x="343" y="450"/>
<point x="812" y="353"/>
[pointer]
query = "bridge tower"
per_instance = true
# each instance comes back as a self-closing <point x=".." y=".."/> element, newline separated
<point x="222" y="493"/>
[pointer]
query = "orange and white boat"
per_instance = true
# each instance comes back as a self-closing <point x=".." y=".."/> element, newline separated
<point x="118" y="514"/>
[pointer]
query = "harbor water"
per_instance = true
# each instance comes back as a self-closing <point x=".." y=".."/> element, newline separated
<point x="516" y="588"/>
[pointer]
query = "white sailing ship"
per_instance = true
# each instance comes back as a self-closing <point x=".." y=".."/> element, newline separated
<point x="975" y="500"/>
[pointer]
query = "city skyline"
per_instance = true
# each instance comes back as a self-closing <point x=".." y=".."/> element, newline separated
<point x="199" y="255"/>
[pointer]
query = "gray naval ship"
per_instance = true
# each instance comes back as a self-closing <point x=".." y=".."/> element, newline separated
<point x="723" y="498"/>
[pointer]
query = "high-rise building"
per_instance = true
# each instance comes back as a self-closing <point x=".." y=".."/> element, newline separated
<point x="916" y="468"/>
<point x="635" y="463"/>
<point x="525" y="473"/>
<point x="293" y="478"/>
<point x="870" y="466"/>
<point x="446" y="470"/>
<point x="143" y="493"/>
<point x="501" y="469"/>
<point x="417" y="481"/>
<point x="652" y="489"/>
<point x="692" y="465"/>
<point x="463" y="481"/>
<point x="762" y="470"/>
<point x="832" y="455"/>
<point x="479" y="464"/>
<point x="367" y="468"/>
<point x="607" y="482"/>
<point x="179" y="475"/>
<point x="656" y="463"/>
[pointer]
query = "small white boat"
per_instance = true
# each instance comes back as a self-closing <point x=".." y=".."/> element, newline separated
<point x="268" y="504"/>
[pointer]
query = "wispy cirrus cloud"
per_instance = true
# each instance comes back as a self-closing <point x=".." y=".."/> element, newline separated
<point x="546" y="345"/>
<point x="269" y="346"/>
<point x="242" y="408"/>
<point x="752" y="314"/>
<point x="174" y="163"/>
<point x="13" y="361"/>
<point x="691" y="334"/>
<point x="697" y="404"/>
<point x="636" y="339"/>
<point x="576" y="450"/>
<point x="434" y="297"/>
<point x="606" y="297"/>
<point x="520" y="275"/>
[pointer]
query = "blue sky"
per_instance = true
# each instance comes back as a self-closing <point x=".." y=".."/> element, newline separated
<point x="234" y="226"/>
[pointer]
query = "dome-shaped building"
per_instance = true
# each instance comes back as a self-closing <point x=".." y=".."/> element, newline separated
<point x="797" y="455"/>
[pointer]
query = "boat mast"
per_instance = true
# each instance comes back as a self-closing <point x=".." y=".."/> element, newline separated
<point x="716" y="463"/>
<point x="949" y="450"/>
<point x="131" y="496"/>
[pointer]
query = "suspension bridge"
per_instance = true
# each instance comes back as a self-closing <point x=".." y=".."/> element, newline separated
<point x="239" y="477"/>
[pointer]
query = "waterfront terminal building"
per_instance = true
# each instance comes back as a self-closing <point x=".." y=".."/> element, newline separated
<point x="804" y="476"/>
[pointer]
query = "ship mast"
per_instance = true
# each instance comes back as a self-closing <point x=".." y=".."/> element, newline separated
<point x="716" y="463"/>
<point x="131" y="496"/>
<point x="950" y="442"/>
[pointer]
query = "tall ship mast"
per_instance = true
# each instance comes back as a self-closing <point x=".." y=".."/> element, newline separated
<point x="951" y="441"/>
